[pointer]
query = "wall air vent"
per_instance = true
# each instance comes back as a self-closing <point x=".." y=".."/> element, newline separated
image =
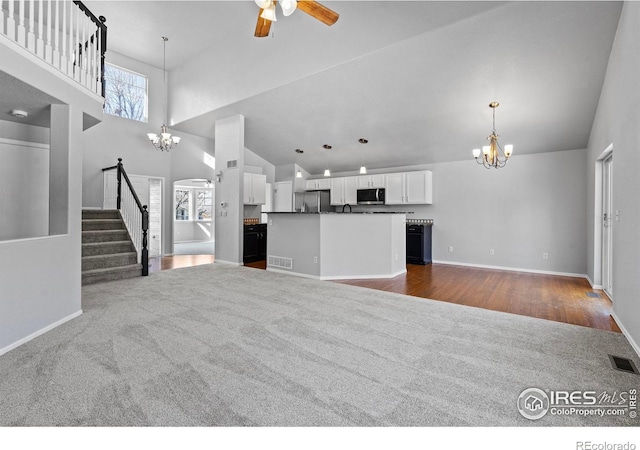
<point x="233" y="164"/>
<point x="280" y="262"/>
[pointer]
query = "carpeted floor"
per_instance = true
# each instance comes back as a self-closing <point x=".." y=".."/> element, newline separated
<point x="221" y="345"/>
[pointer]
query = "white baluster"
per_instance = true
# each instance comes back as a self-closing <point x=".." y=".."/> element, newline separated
<point x="92" y="60"/>
<point x="48" y="49"/>
<point x="2" y="29"/>
<point x="83" y="52"/>
<point x="22" y="31"/>
<point x="11" y="21"/>
<point x="99" y="62"/>
<point x="40" y="40"/>
<point x="56" y="32"/>
<point x="31" y="36"/>
<point x="72" y="41"/>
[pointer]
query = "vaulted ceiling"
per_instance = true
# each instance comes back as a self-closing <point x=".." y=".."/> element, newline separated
<point x="414" y="78"/>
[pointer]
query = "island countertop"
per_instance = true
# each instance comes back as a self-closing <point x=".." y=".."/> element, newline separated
<point x="337" y="245"/>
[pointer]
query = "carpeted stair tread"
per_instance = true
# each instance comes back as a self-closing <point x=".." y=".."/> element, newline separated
<point x="102" y="224"/>
<point x="111" y="274"/>
<point x="88" y="214"/>
<point x="106" y="247"/>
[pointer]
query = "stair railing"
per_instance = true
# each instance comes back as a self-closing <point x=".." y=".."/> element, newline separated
<point x="64" y="34"/>
<point x="134" y="214"/>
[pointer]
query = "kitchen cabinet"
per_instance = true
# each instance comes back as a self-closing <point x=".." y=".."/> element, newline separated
<point x="322" y="184"/>
<point x="255" y="243"/>
<point x="283" y="197"/>
<point x="370" y="181"/>
<point x="343" y="191"/>
<point x="255" y="189"/>
<point x="409" y="188"/>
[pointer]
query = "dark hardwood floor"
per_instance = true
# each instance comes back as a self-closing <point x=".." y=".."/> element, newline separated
<point x="561" y="299"/>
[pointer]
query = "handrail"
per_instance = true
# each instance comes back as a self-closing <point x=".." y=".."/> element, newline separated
<point x="100" y="23"/>
<point x="144" y="255"/>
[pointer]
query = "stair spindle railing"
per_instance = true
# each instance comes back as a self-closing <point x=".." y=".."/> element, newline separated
<point x="39" y="26"/>
<point x="134" y="214"/>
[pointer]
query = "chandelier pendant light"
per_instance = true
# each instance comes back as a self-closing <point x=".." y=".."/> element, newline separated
<point x="493" y="156"/>
<point x="164" y="141"/>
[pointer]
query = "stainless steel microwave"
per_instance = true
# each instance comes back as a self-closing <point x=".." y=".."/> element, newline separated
<point x="371" y="196"/>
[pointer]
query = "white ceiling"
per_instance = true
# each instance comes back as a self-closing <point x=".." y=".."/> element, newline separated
<point x="415" y="78"/>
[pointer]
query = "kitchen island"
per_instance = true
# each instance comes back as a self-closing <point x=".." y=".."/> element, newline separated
<point x="333" y="246"/>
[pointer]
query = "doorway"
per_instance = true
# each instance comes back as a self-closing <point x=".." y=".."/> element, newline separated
<point x="607" y="228"/>
<point x="193" y="217"/>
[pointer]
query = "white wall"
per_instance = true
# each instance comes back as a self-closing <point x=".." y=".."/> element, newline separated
<point x="24" y="189"/>
<point x="535" y="205"/>
<point x="616" y="123"/>
<point x="122" y="138"/>
<point x="40" y="278"/>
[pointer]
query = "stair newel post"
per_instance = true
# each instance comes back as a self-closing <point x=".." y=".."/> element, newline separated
<point x="119" y="184"/>
<point x="145" y="249"/>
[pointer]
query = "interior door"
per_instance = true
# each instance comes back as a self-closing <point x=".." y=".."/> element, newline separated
<point x="607" y="228"/>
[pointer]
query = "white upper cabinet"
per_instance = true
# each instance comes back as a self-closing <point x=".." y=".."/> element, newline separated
<point x="409" y="188"/>
<point x="321" y="184"/>
<point x="255" y="189"/>
<point x="283" y="197"/>
<point x="371" y="181"/>
<point x="343" y="191"/>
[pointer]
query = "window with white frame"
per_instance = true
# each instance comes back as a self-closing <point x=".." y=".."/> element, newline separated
<point x="204" y="203"/>
<point x="125" y="93"/>
<point x="183" y="204"/>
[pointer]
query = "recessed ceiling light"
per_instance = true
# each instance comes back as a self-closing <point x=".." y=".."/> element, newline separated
<point x="299" y="151"/>
<point x="327" y="146"/>
<point x="19" y="113"/>
<point x="363" y="140"/>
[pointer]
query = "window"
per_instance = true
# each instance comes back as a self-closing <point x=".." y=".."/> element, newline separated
<point x="183" y="204"/>
<point x="204" y="201"/>
<point x="125" y="93"/>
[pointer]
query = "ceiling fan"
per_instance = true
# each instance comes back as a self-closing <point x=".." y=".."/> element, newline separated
<point x="267" y="13"/>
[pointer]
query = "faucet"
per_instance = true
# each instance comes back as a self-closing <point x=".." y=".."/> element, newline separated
<point x="345" y="205"/>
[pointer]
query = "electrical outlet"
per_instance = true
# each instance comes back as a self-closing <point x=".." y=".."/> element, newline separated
<point x="545" y="256"/>
<point x="396" y="256"/>
<point x="315" y="259"/>
<point x="491" y="252"/>
<point x="451" y="249"/>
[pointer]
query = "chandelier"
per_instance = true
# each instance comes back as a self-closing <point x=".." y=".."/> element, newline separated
<point x="493" y="155"/>
<point x="164" y="141"/>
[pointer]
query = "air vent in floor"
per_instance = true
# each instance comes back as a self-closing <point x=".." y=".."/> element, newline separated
<point x="593" y="294"/>
<point x="623" y="364"/>
<point x="280" y="262"/>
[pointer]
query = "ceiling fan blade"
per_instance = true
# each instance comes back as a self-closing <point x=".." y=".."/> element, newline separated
<point x="262" y="26"/>
<point x="320" y="12"/>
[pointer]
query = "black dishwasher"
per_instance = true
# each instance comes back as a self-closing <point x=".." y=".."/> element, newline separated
<point x="419" y="241"/>
<point x="255" y="243"/>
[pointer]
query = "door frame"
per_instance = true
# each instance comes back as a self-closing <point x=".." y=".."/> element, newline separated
<point x="598" y="229"/>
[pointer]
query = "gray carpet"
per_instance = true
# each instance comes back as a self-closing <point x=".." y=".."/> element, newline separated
<point x="220" y="345"/>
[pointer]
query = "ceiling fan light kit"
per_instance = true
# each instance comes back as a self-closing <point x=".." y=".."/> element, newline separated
<point x="493" y="156"/>
<point x="267" y="13"/>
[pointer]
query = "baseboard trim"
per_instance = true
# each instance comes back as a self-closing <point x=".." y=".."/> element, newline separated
<point x="295" y="274"/>
<point x="513" y="269"/>
<point x="593" y="286"/>
<point x="40" y="332"/>
<point x="364" y="277"/>
<point x="633" y="343"/>
<point x="341" y="277"/>
<point x="230" y="263"/>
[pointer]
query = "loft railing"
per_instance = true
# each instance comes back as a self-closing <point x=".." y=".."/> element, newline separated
<point x="134" y="214"/>
<point x="63" y="33"/>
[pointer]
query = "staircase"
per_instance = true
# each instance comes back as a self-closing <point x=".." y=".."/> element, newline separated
<point x="107" y="250"/>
